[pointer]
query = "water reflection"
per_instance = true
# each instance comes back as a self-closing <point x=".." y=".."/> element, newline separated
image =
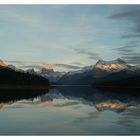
<point x="76" y="110"/>
<point x="102" y="100"/>
<point x="12" y="96"/>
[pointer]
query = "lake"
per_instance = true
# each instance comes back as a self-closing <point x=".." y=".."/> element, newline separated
<point x="69" y="110"/>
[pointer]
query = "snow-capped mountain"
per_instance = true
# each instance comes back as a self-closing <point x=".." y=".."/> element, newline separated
<point x="82" y="70"/>
<point x="115" y="65"/>
<point x="117" y="74"/>
<point x="10" y="75"/>
<point x="100" y="70"/>
<point x="103" y="68"/>
<point x="2" y="63"/>
<point x="80" y="77"/>
<point x="52" y="75"/>
<point x="135" y="69"/>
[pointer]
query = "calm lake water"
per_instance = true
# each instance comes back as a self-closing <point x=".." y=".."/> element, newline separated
<point x="69" y="111"/>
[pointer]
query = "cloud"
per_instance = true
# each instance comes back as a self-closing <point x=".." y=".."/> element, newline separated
<point x="131" y="33"/>
<point x="90" y="116"/>
<point x="132" y="18"/>
<point x="123" y="50"/>
<point x="52" y="66"/>
<point x="73" y="103"/>
<point x="77" y="63"/>
<point x="126" y="48"/>
<point x="91" y="55"/>
<point x="16" y="62"/>
<point x="132" y="59"/>
<point x="128" y="54"/>
<point x="130" y="36"/>
<point x="22" y="18"/>
<point x="68" y="66"/>
<point x="126" y="13"/>
<point x="39" y="65"/>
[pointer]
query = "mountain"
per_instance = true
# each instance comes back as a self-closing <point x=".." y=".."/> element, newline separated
<point x="104" y="68"/>
<point x="116" y="73"/>
<point x="135" y="69"/>
<point x="88" y="74"/>
<point x="14" y="68"/>
<point x="2" y="63"/>
<point x="121" y="79"/>
<point x="84" y="69"/>
<point x="52" y="75"/>
<point x="77" y="78"/>
<point x="125" y="78"/>
<point x="10" y="76"/>
<point x="31" y="71"/>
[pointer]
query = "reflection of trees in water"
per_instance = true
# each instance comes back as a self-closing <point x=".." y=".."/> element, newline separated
<point x="117" y="100"/>
<point x="10" y="96"/>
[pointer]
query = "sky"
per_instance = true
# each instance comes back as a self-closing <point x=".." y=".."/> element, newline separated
<point x="68" y="37"/>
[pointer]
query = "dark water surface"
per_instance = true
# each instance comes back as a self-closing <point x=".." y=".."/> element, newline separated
<point x="69" y="111"/>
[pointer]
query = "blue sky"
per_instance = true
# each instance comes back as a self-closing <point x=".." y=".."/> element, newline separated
<point x="67" y="37"/>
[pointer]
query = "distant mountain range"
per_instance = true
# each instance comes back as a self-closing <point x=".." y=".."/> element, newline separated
<point x="103" y="74"/>
<point x="11" y="76"/>
<point x="50" y="74"/>
<point x="115" y="73"/>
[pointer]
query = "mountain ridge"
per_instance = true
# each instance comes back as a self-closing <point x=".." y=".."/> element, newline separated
<point x="10" y="76"/>
<point x="103" y="73"/>
<point x="116" y="69"/>
<point x="2" y="64"/>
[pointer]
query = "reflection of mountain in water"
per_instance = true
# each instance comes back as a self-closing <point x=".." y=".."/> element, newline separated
<point x="102" y="99"/>
<point x="7" y="96"/>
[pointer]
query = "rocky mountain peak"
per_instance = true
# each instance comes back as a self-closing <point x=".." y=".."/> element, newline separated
<point x="2" y="63"/>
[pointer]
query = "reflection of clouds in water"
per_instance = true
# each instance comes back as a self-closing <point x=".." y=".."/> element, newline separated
<point x="64" y="128"/>
<point x="77" y="107"/>
<point x="90" y="116"/>
<point x="126" y="122"/>
<point x="67" y="104"/>
<point x="76" y="112"/>
<point x="130" y="119"/>
<point x="48" y="103"/>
